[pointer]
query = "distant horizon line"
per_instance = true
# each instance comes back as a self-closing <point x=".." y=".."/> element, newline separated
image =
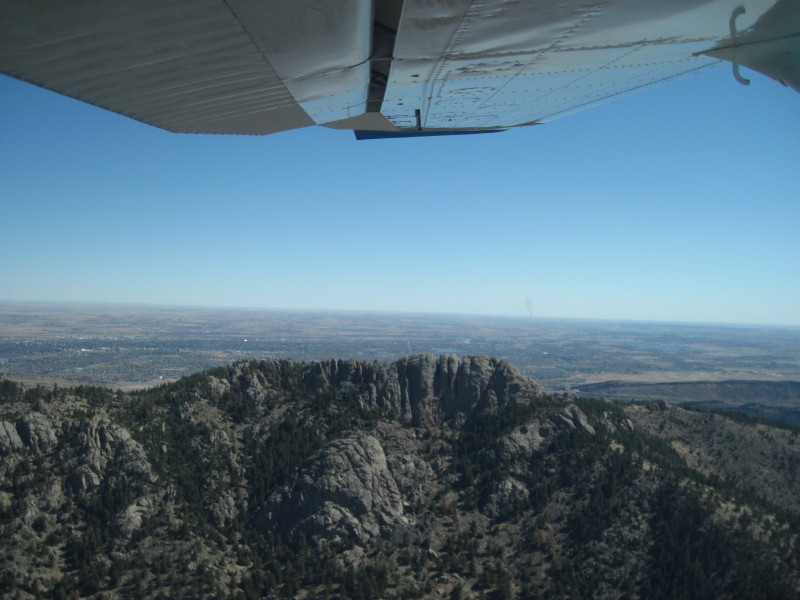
<point x="212" y="307"/>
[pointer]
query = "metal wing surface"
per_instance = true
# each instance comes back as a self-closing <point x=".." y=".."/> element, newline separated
<point x="390" y="67"/>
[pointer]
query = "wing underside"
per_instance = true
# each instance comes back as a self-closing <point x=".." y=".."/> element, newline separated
<point x="257" y="67"/>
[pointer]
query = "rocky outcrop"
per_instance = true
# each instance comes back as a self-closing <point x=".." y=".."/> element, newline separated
<point x="37" y="432"/>
<point x="345" y="490"/>
<point x="104" y="457"/>
<point x="426" y="390"/>
<point x="413" y="475"/>
<point x="102" y="446"/>
<point x="218" y="387"/>
<point x="130" y="519"/>
<point x="519" y="445"/>
<point x="572" y="417"/>
<point x="9" y="438"/>
<point x="252" y="380"/>
<point x="255" y="384"/>
<point x="507" y="494"/>
<point x="516" y="447"/>
<point x="223" y="510"/>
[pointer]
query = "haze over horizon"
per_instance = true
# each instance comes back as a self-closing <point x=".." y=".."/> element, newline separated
<point x="210" y="308"/>
<point x="674" y="205"/>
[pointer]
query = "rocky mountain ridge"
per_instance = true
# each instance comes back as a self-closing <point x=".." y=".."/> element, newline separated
<point x="431" y="476"/>
<point x="421" y="391"/>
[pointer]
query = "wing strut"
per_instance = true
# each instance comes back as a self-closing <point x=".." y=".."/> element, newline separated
<point x="739" y="10"/>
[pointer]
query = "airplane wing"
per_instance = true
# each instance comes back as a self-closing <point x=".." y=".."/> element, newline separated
<point x="382" y="67"/>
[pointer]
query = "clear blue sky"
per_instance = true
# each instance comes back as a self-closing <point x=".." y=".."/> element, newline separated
<point x="680" y="203"/>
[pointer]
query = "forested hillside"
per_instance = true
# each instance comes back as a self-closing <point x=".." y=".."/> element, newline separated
<point x="434" y="476"/>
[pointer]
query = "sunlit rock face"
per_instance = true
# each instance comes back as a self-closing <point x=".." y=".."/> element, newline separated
<point x="344" y="491"/>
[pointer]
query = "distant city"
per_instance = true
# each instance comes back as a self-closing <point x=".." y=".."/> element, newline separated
<point x="135" y="346"/>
